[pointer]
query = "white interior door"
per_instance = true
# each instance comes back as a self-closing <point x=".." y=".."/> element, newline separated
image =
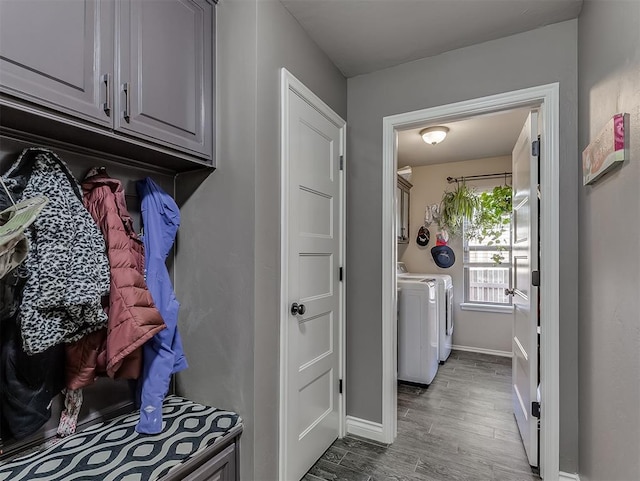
<point x="312" y="330"/>
<point x="525" y="295"/>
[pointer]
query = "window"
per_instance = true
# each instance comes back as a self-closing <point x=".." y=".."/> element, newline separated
<point x="485" y="279"/>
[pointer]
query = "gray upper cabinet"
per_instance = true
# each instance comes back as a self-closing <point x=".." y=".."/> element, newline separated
<point x="165" y="72"/>
<point x="58" y="54"/>
<point x="142" y="70"/>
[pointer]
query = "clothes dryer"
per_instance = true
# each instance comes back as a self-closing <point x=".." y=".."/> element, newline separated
<point x="417" y="331"/>
<point x="444" y="286"/>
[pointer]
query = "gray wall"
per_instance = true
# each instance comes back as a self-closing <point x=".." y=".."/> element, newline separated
<point x="228" y="264"/>
<point x="533" y="58"/>
<point x="215" y="255"/>
<point x="281" y="43"/>
<point x="609" y="79"/>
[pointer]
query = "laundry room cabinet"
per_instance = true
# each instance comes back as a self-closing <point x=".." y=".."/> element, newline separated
<point x="403" y="195"/>
<point x="142" y="69"/>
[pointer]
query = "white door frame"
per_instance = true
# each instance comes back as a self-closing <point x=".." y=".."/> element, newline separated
<point x="547" y="97"/>
<point x="290" y="83"/>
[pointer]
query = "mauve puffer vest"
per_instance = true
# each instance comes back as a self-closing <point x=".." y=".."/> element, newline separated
<point x="133" y="317"/>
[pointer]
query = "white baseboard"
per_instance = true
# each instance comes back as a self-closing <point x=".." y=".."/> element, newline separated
<point x="482" y="350"/>
<point x="365" y="429"/>
<point x="568" y="477"/>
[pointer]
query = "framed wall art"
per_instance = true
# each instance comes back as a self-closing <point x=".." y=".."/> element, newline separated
<point x="608" y="150"/>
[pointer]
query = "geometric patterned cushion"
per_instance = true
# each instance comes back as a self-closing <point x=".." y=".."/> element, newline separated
<point x="113" y="450"/>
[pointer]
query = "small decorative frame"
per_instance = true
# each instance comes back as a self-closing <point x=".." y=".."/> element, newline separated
<point x="608" y="150"/>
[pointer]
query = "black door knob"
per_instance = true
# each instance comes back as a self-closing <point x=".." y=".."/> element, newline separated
<point x="298" y="309"/>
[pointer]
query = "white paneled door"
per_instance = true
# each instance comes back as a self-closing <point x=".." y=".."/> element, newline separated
<point x="525" y="294"/>
<point x="313" y="142"/>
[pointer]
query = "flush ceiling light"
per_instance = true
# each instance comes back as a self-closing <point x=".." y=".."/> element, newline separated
<point x="434" y="135"/>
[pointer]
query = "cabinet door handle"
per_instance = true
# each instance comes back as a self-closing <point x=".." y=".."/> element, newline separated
<point x="106" y="106"/>
<point x="127" y="102"/>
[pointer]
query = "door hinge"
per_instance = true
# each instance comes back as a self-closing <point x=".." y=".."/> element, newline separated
<point x="535" y="409"/>
<point x="535" y="148"/>
<point x="342" y="162"/>
<point x="340" y="386"/>
<point x="535" y="278"/>
<point x="340" y="272"/>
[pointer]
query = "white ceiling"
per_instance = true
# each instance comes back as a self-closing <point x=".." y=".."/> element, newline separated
<point x="362" y="36"/>
<point x="480" y="137"/>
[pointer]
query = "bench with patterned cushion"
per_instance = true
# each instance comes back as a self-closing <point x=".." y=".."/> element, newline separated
<point x="191" y="438"/>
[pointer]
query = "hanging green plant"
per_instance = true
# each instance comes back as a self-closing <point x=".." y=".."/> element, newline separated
<point x="456" y="207"/>
<point x="491" y="218"/>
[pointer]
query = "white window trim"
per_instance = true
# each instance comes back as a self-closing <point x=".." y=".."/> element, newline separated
<point x="478" y="305"/>
<point x="497" y="308"/>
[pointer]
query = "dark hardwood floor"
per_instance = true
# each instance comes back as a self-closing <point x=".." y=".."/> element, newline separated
<point x="459" y="429"/>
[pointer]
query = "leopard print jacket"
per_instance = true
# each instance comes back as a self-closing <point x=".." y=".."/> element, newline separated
<point x="67" y="266"/>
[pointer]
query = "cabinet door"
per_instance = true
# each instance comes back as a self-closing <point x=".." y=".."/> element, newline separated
<point x="55" y="53"/>
<point x="220" y="468"/>
<point x="399" y="214"/>
<point x="164" y="73"/>
<point x="405" y="214"/>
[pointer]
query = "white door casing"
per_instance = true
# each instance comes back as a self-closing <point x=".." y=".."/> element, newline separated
<point x="524" y="260"/>
<point x="547" y="98"/>
<point x="311" y="407"/>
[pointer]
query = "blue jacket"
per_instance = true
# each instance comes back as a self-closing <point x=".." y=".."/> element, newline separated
<point x="163" y="354"/>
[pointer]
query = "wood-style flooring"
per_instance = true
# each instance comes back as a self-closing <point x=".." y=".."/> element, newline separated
<point x="461" y="428"/>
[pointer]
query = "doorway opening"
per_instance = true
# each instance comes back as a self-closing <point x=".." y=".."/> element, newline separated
<point x="545" y="100"/>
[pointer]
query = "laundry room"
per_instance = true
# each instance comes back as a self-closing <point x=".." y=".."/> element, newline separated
<point x="475" y="156"/>
<point x="465" y="224"/>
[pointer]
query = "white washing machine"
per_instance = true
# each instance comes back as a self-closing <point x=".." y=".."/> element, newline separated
<point x="417" y="330"/>
<point x="445" y="306"/>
